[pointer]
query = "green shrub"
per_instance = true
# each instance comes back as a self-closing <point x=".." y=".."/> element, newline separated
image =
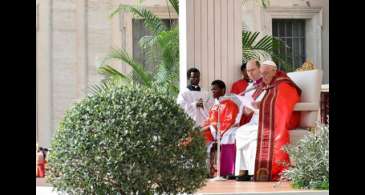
<point x="311" y="157"/>
<point x="125" y="140"/>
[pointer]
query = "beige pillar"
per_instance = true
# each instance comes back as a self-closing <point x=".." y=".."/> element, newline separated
<point x="82" y="48"/>
<point x="210" y="40"/>
<point x="44" y="72"/>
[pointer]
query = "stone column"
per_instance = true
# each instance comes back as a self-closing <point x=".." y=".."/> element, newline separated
<point x="210" y="40"/>
<point x="44" y="72"/>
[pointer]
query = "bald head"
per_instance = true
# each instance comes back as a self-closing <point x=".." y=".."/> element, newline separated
<point x="253" y="69"/>
<point x="268" y="71"/>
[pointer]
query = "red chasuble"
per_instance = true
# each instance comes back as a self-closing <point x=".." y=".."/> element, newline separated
<point x="239" y="86"/>
<point x="275" y="119"/>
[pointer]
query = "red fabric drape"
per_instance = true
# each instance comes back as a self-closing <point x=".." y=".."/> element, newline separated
<point x="40" y="172"/>
<point x="239" y="86"/>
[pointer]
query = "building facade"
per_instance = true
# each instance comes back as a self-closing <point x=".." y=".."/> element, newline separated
<point x="74" y="35"/>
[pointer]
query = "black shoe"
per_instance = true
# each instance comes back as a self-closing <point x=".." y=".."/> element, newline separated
<point x="229" y="177"/>
<point x="251" y="177"/>
<point x="243" y="178"/>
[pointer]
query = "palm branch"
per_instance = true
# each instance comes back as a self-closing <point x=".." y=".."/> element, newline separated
<point x="166" y="81"/>
<point x="265" y="3"/>
<point x="148" y="41"/>
<point x="120" y="54"/>
<point x="161" y="45"/>
<point x="151" y="21"/>
<point x="114" y="74"/>
<point x="262" y="49"/>
<point x="101" y="87"/>
<point x="175" y="5"/>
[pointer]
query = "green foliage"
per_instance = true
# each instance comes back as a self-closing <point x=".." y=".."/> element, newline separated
<point x="263" y="49"/>
<point x="125" y="140"/>
<point x="311" y="157"/>
<point x="141" y="75"/>
<point x="175" y="5"/>
<point x="162" y="48"/>
<point x="115" y="74"/>
<point x="151" y="21"/>
<point x="169" y="44"/>
<point x="104" y="85"/>
<point x="265" y="3"/>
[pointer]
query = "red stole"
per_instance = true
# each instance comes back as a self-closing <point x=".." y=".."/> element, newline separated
<point x="275" y="119"/>
<point x="239" y="86"/>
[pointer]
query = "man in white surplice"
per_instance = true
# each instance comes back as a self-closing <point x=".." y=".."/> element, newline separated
<point x="195" y="102"/>
<point x="246" y="135"/>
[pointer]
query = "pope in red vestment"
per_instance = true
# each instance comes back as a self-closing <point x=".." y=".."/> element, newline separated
<point x="276" y="117"/>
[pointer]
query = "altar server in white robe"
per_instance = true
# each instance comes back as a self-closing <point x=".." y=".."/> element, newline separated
<point x="195" y="102"/>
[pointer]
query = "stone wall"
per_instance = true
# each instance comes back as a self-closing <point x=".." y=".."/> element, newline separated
<point x="72" y="35"/>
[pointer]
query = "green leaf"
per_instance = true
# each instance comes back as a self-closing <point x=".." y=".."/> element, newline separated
<point x="121" y="54"/>
<point x="161" y="48"/>
<point x="265" y="3"/>
<point x="263" y="49"/>
<point x="113" y="73"/>
<point x="311" y="157"/>
<point x="152" y="22"/>
<point x="175" y="5"/>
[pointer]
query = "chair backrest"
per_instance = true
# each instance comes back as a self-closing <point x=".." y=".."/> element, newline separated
<point x="310" y="84"/>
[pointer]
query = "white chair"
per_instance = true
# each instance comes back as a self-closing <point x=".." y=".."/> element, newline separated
<point x="310" y="84"/>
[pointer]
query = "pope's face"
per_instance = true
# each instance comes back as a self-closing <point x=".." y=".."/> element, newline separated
<point x="268" y="73"/>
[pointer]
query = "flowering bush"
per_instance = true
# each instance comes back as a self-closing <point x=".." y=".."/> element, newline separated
<point x="311" y="156"/>
<point x="127" y="140"/>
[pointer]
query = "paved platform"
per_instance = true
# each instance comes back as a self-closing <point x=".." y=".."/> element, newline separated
<point x="223" y="187"/>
